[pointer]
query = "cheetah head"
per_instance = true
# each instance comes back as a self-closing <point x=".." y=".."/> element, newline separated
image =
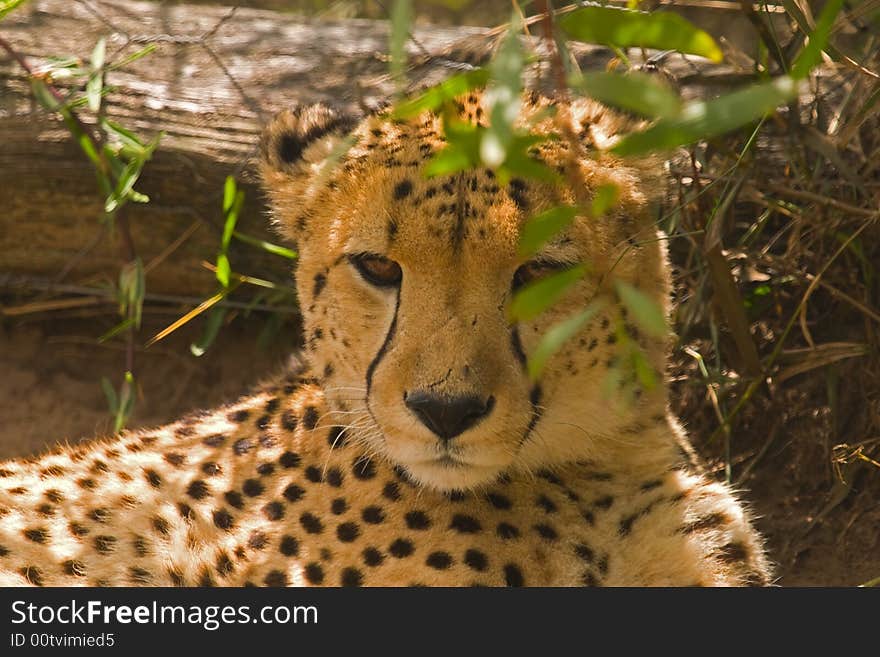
<point x="405" y="281"/>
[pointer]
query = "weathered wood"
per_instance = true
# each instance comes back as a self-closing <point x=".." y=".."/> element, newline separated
<point x="210" y="120"/>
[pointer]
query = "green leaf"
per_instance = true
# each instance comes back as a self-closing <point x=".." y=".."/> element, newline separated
<point x="622" y="28"/>
<point x="604" y="199"/>
<point x="636" y="92"/>
<point x="96" y="79"/>
<point x="646" y="312"/>
<point x="401" y="15"/>
<point x="229" y="189"/>
<point x="215" y="320"/>
<point x="116" y="330"/>
<point x="132" y="289"/>
<point x="462" y="150"/>
<point x="110" y="394"/>
<point x="811" y="55"/>
<point x="557" y="336"/>
<point x="536" y="297"/>
<point x="269" y="247"/>
<point x="703" y="120"/>
<point x="128" y="59"/>
<point x="435" y="97"/>
<point x="8" y="5"/>
<point x="223" y="270"/>
<point x="543" y="226"/>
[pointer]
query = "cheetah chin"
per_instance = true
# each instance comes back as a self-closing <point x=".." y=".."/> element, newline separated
<point x="411" y="446"/>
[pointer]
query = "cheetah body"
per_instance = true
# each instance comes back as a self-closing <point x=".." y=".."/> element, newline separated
<point x="323" y="477"/>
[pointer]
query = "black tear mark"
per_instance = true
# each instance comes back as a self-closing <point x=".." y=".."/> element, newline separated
<point x="516" y="343"/>
<point x="392" y="229"/>
<point x="384" y="348"/>
<point x="537" y="412"/>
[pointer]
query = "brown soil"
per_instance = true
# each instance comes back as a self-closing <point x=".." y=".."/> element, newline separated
<point x="50" y="390"/>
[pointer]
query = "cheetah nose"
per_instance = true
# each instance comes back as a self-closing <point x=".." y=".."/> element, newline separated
<point x="448" y="417"/>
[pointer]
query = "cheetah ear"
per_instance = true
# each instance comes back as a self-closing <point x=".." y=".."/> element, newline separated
<point x="294" y="145"/>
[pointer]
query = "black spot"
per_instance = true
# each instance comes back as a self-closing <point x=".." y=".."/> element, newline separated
<point x="476" y="560"/>
<point x="513" y="575"/>
<point x="313" y="474"/>
<point x="335" y="437"/>
<point x="252" y="487"/>
<point x="338" y="506"/>
<point x="32" y="574"/>
<point x="417" y="520"/>
<point x="38" y="535"/>
<point x="198" y="489"/>
<point x="604" y="502"/>
<point x="364" y="469"/>
<point x="74" y="568"/>
<point x="224" y="565"/>
<point x="373" y="515"/>
<point x="517" y="192"/>
<point x="160" y="525"/>
<point x="105" y="544"/>
<point x="334" y="477"/>
<point x="651" y="485"/>
<point x="274" y="510"/>
<point x="86" y="482"/>
<point x="257" y="540"/>
<point x="214" y="441"/>
<point x="289" y="546"/>
<point x="706" y="522"/>
<point x="373" y="557"/>
<point x="311" y="523"/>
<point x="293" y="493"/>
<point x="234" y="499"/>
<point x="589" y="579"/>
<point x="238" y="416"/>
<point x="506" y="530"/>
<point x="139" y="575"/>
<point x="310" y="418"/>
<point x="733" y="552"/>
<point x="222" y="519"/>
<point x="546" y="503"/>
<point x="100" y="515"/>
<point x="584" y="552"/>
<point x="348" y="532"/>
<point x="401" y="548"/>
<point x="546" y="531"/>
<point x="314" y="573"/>
<point x="210" y="468"/>
<point x="352" y="577"/>
<point x="439" y="560"/>
<point x="465" y="524"/>
<point x="290" y="460"/>
<point x="276" y="578"/>
<point x="498" y="501"/>
<point x="140" y="545"/>
<point x="242" y="446"/>
<point x="288" y="423"/>
<point x="391" y="491"/>
<point x="403" y="189"/>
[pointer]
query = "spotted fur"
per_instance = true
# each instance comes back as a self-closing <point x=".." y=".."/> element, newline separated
<point x="324" y="476"/>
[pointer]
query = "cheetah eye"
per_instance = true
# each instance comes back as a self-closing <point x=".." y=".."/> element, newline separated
<point x="376" y="269"/>
<point x="535" y="269"/>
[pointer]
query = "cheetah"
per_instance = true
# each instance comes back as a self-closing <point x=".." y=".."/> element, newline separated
<point x="409" y="445"/>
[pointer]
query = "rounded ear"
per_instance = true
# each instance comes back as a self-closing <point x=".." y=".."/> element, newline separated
<point x="293" y="146"/>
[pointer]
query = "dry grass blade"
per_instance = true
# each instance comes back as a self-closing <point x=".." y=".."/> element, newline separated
<point x="818" y="356"/>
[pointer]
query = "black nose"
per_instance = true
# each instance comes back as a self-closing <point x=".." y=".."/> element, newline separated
<point x="448" y="416"/>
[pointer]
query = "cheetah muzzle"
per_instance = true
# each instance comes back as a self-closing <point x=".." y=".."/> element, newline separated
<point x="411" y="447"/>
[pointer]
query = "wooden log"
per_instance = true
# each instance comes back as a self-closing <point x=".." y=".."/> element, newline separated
<point x="208" y="96"/>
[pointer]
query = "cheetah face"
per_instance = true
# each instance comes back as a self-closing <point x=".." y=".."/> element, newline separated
<point x="405" y="281"/>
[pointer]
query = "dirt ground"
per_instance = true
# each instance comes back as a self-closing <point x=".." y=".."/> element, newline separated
<point x="50" y="390"/>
